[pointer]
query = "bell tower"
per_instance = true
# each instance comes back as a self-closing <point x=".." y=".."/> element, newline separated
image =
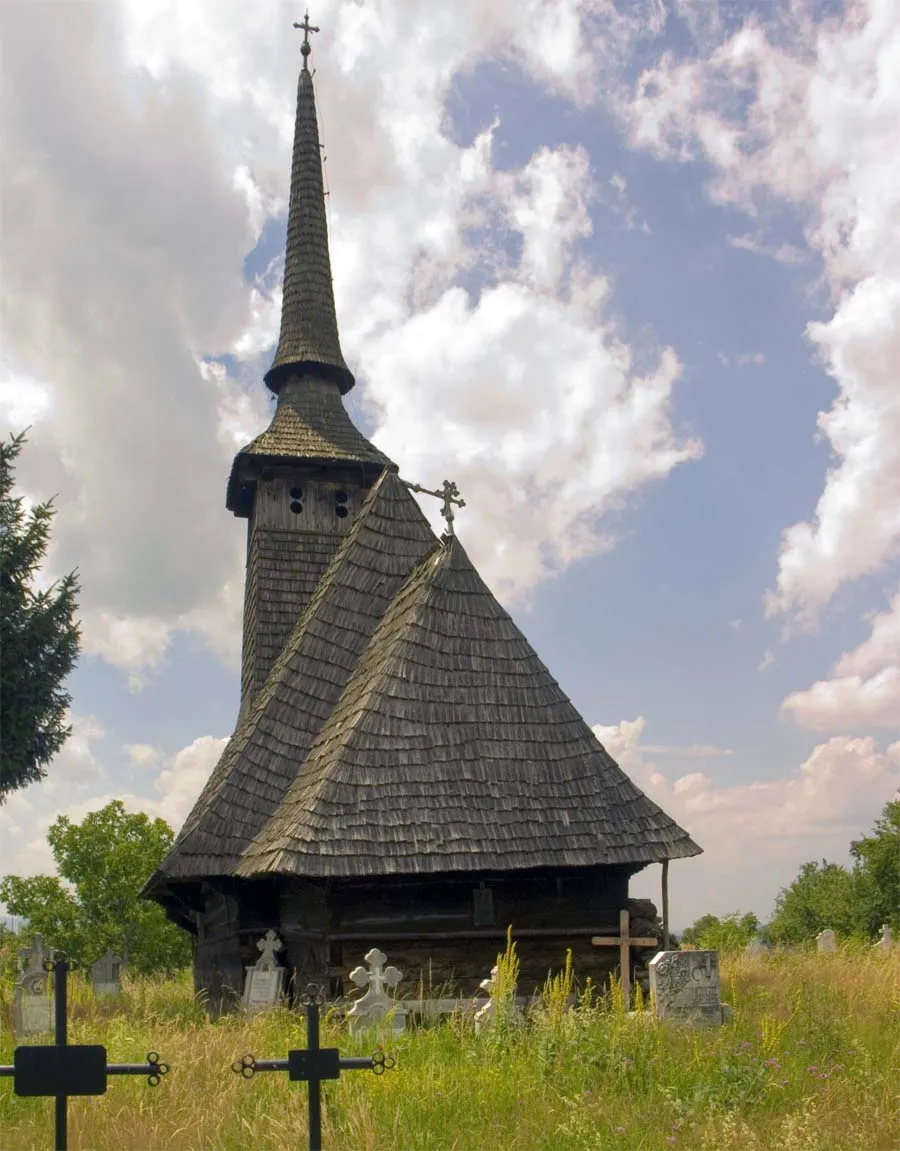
<point x="301" y="482"/>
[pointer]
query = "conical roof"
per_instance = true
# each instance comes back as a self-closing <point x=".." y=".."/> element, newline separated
<point x="309" y="338"/>
<point x="453" y="748"/>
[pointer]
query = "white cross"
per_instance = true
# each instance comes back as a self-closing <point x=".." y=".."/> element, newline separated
<point x="376" y="979"/>
<point x="624" y="944"/>
<point x="268" y="945"/>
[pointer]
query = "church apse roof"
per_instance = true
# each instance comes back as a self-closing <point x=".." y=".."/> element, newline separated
<point x="453" y="748"/>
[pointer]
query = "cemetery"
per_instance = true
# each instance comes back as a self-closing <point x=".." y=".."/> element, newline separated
<point x="786" y="1047"/>
<point x="413" y="858"/>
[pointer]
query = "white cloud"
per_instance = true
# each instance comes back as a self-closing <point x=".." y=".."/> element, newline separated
<point x="142" y="755"/>
<point x="813" y="124"/>
<point x="864" y="690"/>
<point x="783" y="252"/>
<point x="79" y="781"/>
<point x="755" y="836"/>
<point x="182" y="780"/>
<point x="129" y="212"/>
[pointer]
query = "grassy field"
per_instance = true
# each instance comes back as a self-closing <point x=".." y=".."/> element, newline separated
<point x="810" y="1062"/>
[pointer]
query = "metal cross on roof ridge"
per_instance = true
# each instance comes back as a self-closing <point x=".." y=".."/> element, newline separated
<point x="306" y="28"/>
<point x="448" y="494"/>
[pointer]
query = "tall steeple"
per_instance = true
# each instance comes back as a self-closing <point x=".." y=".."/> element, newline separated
<point x="309" y="341"/>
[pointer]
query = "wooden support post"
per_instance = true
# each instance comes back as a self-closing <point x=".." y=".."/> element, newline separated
<point x="624" y="943"/>
<point x="665" y="903"/>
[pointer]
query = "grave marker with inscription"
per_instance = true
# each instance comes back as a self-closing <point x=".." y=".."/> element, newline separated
<point x="684" y="985"/>
<point x="826" y="942"/>
<point x="32" y="1004"/>
<point x="264" y="981"/>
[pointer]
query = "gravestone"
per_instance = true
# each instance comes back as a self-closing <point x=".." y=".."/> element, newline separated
<point x="826" y="942"/>
<point x="264" y="981"/>
<point x="372" y="1008"/>
<point x="684" y="985"/>
<point x="756" y="947"/>
<point x="886" y="940"/>
<point x="32" y="1003"/>
<point x="106" y="974"/>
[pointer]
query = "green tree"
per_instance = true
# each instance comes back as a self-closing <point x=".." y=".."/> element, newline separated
<point x="106" y="860"/>
<point x="729" y="934"/>
<point x="38" y="637"/>
<point x="878" y="871"/>
<point x="823" y="895"/>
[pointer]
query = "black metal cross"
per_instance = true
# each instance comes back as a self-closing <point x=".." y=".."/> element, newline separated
<point x="63" y="1069"/>
<point x="314" y="1065"/>
<point x="448" y="494"/>
<point x="305" y="48"/>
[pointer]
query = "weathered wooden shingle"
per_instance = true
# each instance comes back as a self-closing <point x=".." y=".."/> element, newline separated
<point x="309" y="332"/>
<point x="454" y="749"/>
<point x="269" y="748"/>
<point x="310" y="426"/>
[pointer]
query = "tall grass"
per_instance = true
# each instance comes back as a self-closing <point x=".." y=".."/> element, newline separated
<point x="811" y="1062"/>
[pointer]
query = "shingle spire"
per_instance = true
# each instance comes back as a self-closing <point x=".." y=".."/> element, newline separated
<point x="309" y="341"/>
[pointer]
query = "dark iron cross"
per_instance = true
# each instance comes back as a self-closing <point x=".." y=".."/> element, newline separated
<point x="314" y="1065"/>
<point x="69" y="1069"/>
<point x="448" y="494"/>
<point x="305" y="48"/>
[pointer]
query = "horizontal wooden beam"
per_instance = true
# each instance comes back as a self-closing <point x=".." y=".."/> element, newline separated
<point x="385" y="937"/>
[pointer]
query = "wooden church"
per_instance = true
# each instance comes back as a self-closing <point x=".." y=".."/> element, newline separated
<point x="405" y="772"/>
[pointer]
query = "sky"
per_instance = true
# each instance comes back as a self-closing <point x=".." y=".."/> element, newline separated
<point x="629" y="273"/>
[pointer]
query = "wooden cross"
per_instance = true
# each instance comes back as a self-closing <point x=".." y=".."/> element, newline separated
<point x="624" y="943"/>
<point x="314" y="1065"/>
<point x="305" y="48"/>
<point x="63" y="1069"/>
<point x="448" y="494"/>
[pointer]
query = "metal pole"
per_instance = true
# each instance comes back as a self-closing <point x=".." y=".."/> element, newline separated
<point x="315" y="1098"/>
<point x="60" y="969"/>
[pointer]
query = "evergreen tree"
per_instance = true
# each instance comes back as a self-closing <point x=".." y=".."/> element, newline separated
<point x="38" y="637"/>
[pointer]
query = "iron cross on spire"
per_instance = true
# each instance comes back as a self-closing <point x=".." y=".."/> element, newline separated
<point x="305" y="48"/>
<point x="448" y="494"/>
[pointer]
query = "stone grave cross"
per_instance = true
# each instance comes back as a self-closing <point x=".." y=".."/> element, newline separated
<point x="375" y="1005"/>
<point x="264" y="981"/>
<point x="314" y="1065"/>
<point x="624" y="942"/>
<point x="65" y="1069"/>
<point x="32" y="1007"/>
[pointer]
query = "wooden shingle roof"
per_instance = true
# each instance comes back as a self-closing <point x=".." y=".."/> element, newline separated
<point x="309" y="333"/>
<point x="453" y="748"/>
<point x="268" y="750"/>
<point x="310" y="425"/>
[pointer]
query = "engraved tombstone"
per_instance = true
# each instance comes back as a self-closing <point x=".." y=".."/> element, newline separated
<point x="886" y="941"/>
<point x="106" y="974"/>
<point x="826" y="942"/>
<point x="32" y="1003"/>
<point x="264" y="981"/>
<point x="684" y="985"/>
